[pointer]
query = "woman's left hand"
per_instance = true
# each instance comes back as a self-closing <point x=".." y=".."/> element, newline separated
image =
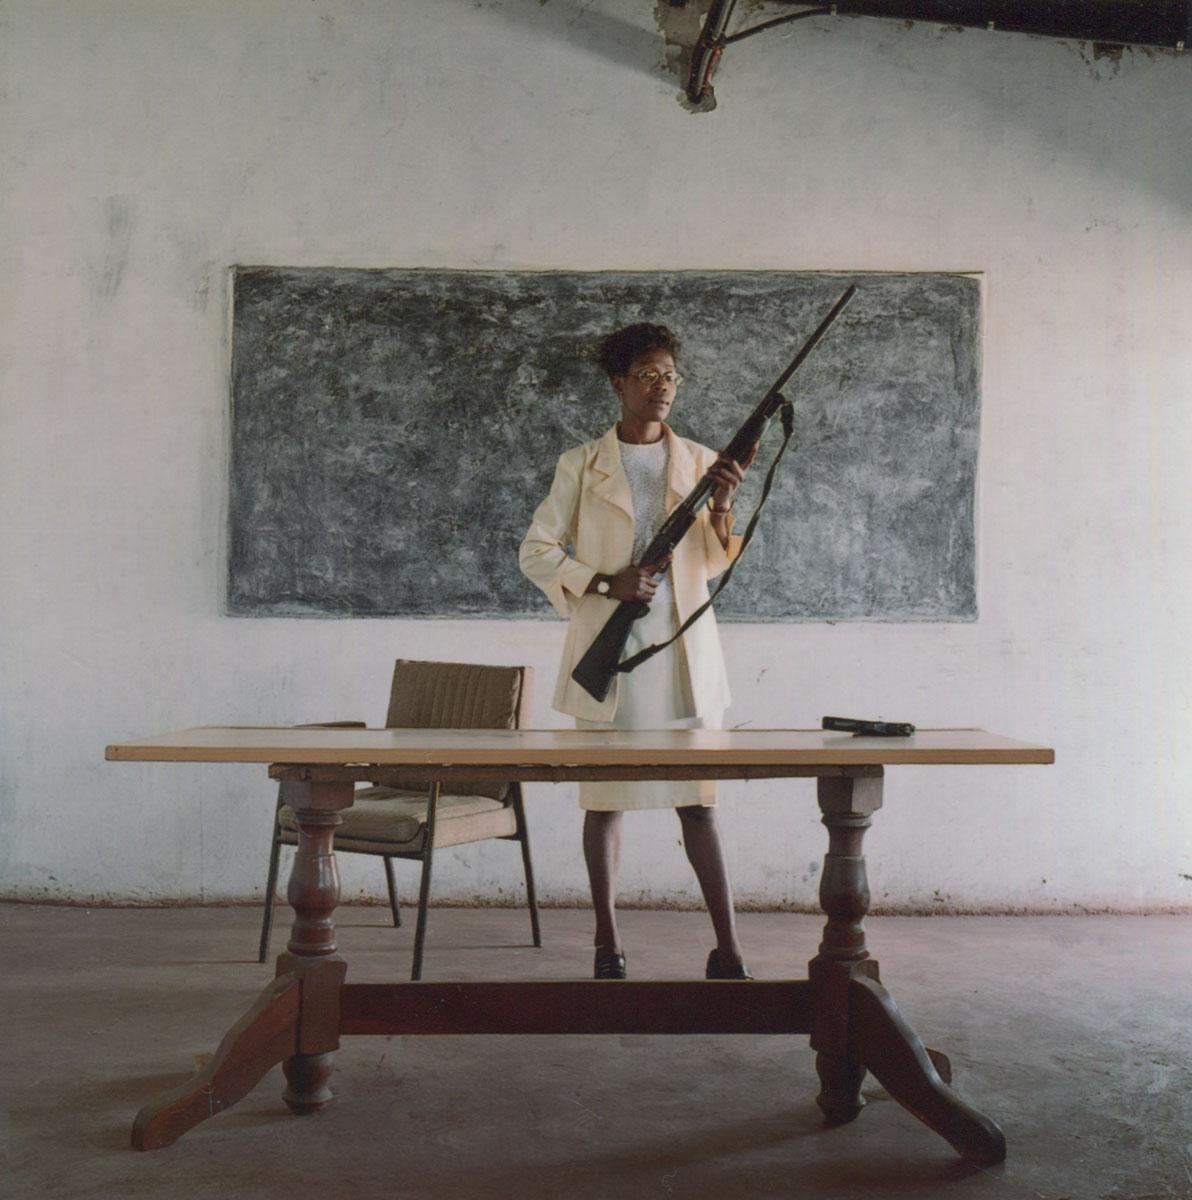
<point x="729" y="475"/>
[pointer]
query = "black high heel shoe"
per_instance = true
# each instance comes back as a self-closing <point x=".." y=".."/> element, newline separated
<point x="717" y="971"/>
<point x="609" y="965"/>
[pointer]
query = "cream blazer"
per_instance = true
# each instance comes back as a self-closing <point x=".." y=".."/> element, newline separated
<point x="590" y="510"/>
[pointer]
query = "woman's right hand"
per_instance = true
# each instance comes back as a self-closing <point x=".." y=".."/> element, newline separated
<point x="637" y="583"/>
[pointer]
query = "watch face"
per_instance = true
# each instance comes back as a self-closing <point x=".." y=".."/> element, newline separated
<point x="602" y="587"/>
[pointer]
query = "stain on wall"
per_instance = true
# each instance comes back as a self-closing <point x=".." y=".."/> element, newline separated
<point x="118" y="219"/>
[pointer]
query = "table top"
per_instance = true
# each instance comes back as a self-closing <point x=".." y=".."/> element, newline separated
<point x="572" y="747"/>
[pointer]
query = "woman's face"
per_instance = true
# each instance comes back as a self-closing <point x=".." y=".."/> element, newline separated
<point x="647" y="402"/>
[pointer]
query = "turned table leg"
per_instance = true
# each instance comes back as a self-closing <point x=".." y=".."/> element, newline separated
<point x="856" y="1026"/>
<point x="295" y="1020"/>
<point x="847" y="802"/>
<point x="313" y="893"/>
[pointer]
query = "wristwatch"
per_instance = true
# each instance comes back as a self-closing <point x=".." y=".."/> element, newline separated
<point x="602" y="587"/>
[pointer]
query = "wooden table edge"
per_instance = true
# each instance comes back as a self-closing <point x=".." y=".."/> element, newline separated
<point x="852" y="758"/>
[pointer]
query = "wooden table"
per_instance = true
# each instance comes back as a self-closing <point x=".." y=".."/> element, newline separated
<point x="299" y="1018"/>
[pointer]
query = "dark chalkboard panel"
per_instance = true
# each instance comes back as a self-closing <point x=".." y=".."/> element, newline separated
<point x="392" y="432"/>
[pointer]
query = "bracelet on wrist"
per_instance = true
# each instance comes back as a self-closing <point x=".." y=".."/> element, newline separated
<point x="721" y="511"/>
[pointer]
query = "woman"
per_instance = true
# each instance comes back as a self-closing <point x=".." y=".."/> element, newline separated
<point x="608" y="499"/>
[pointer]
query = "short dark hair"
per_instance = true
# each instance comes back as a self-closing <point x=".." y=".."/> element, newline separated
<point x="617" y="351"/>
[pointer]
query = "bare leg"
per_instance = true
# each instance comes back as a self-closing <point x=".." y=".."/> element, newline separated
<point x="701" y="840"/>
<point x="602" y="853"/>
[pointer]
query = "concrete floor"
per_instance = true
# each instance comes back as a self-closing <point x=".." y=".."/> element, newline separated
<point x="1072" y="1032"/>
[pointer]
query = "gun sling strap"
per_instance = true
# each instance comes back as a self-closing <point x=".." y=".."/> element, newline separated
<point x="787" y="413"/>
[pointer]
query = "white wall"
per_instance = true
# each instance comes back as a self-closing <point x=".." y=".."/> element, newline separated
<point x="147" y="146"/>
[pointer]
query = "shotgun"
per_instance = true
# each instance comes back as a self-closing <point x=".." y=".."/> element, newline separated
<point x="595" y="671"/>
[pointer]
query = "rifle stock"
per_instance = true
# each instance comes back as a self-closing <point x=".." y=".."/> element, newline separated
<point x="595" y="670"/>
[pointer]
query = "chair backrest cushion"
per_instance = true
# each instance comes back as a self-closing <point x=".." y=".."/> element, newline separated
<point x="448" y="695"/>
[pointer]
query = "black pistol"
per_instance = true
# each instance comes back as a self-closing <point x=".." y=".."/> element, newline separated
<point x="868" y="728"/>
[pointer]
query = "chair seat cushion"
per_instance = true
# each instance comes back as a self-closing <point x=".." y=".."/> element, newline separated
<point x="386" y="816"/>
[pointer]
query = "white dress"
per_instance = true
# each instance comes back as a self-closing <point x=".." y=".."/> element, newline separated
<point x="657" y="694"/>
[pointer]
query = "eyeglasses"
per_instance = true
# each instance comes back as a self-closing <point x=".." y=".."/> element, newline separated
<point x="648" y="377"/>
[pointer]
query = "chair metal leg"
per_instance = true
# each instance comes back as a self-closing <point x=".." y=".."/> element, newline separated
<point x="392" y="884"/>
<point x="523" y="836"/>
<point x="428" y="846"/>
<point x="271" y="882"/>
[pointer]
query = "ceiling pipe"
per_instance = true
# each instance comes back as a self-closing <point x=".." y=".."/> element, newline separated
<point x="708" y="49"/>
<point x="1163" y="23"/>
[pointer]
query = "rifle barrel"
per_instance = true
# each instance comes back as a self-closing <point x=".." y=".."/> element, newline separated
<point x="813" y="341"/>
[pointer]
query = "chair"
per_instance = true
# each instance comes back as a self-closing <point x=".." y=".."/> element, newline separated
<point x="412" y="824"/>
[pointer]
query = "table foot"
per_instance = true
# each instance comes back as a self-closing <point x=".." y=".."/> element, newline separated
<point x="942" y="1064"/>
<point x="892" y="1051"/>
<point x="262" y="1038"/>
<point x="840" y="1087"/>
<point x="307" y="1077"/>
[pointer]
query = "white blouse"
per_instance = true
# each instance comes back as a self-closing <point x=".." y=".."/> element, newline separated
<point x="645" y="468"/>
